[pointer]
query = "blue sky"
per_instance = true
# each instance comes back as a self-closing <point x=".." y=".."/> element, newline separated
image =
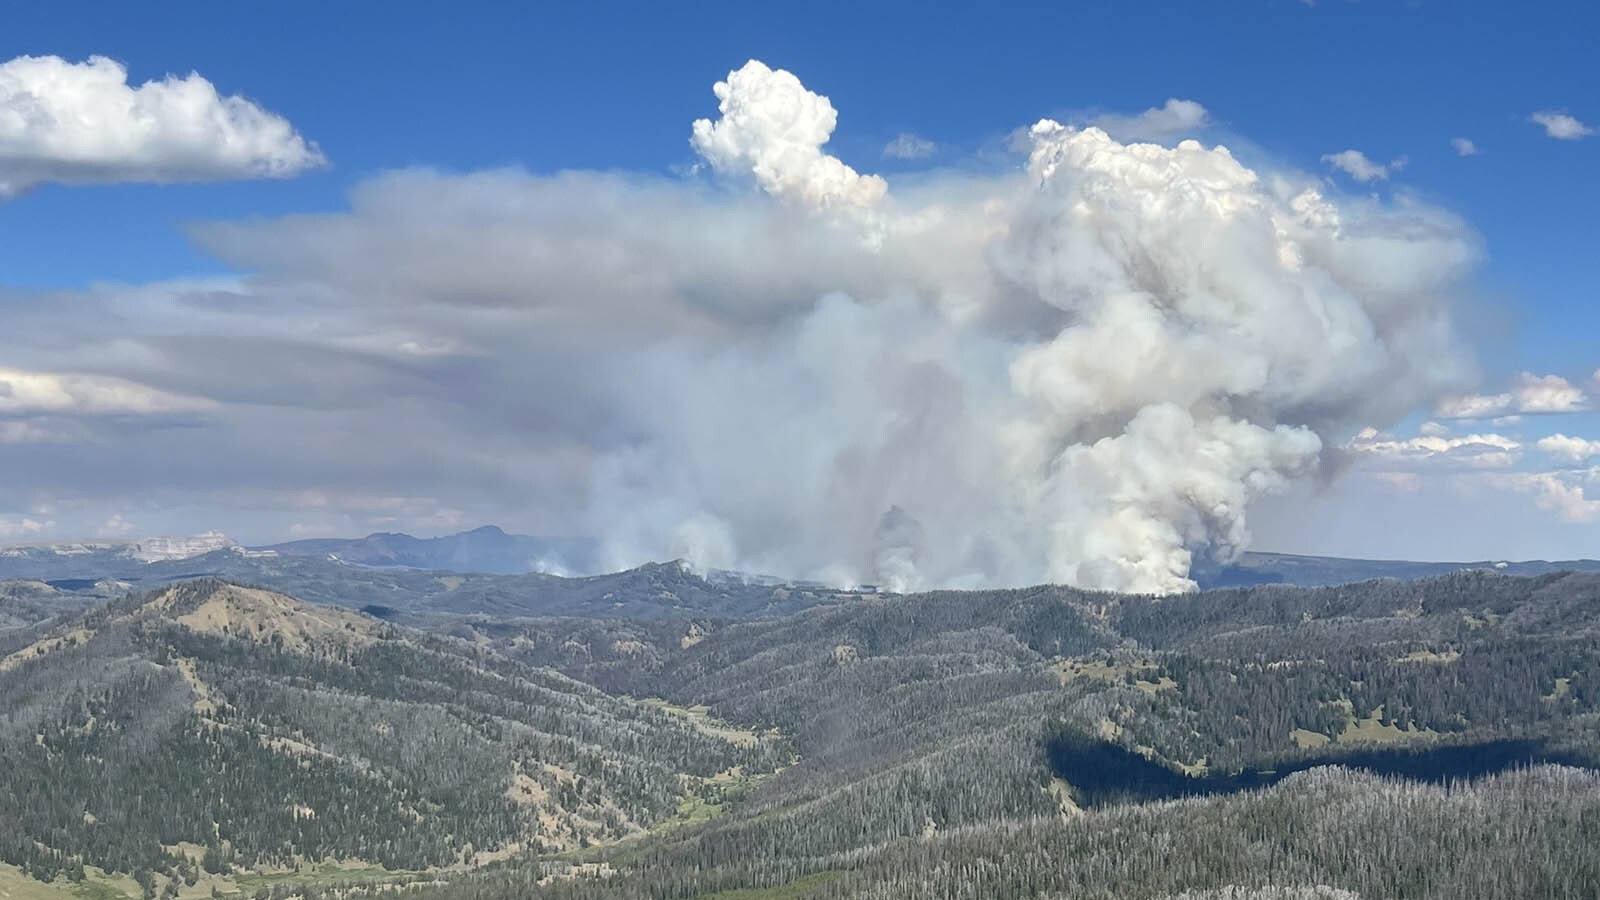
<point x="543" y="88"/>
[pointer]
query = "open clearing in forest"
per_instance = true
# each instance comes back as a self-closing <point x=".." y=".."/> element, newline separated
<point x="1144" y="674"/>
<point x="700" y="717"/>
<point x="1368" y="730"/>
<point x="15" y="885"/>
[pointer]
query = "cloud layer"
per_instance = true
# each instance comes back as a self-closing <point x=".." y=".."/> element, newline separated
<point x="1481" y="451"/>
<point x="83" y="123"/>
<point x="1531" y="394"/>
<point x="1085" y="369"/>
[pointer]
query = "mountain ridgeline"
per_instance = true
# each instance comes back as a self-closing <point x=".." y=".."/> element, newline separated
<point x="481" y="550"/>
<point x="487" y="570"/>
<point x="767" y="741"/>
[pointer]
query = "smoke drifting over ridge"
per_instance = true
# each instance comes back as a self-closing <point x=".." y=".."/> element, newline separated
<point x="1084" y="369"/>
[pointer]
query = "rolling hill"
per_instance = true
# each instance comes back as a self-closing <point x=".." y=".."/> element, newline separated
<point x="263" y="732"/>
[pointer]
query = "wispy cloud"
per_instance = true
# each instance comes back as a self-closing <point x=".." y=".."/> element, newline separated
<point x="17" y="527"/>
<point x="1172" y="119"/>
<point x="1563" y="493"/>
<point x="1561" y="126"/>
<point x="1356" y="164"/>
<point x="24" y="392"/>
<point x="1464" y="146"/>
<point x="909" y="146"/>
<point x="1531" y="394"/>
<point x="1482" y="451"/>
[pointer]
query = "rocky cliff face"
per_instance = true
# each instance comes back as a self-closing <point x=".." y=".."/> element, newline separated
<point x="162" y="549"/>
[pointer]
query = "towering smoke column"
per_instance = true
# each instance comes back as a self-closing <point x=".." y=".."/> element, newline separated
<point x="1085" y="372"/>
<point x="1193" y="329"/>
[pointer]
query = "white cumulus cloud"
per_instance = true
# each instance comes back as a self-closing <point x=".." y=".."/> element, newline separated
<point x="1548" y="394"/>
<point x="1464" y="146"/>
<point x="1561" y="126"/>
<point x="83" y="123"/>
<point x="1569" y="449"/>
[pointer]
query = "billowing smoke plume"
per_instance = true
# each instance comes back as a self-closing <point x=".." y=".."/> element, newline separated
<point x="1085" y="374"/>
<point x="775" y="128"/>
<point x="1084" y="368"/>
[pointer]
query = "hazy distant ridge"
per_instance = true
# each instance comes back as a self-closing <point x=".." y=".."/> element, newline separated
<point x="487" y="549"/>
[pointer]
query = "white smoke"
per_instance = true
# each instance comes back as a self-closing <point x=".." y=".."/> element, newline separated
<point x="1085" y="368"/>
<point x="1143" y="341"/>
<point x="774" y="128"/>
<point x="1086" y="373"/>
<point x="900" y="538"/>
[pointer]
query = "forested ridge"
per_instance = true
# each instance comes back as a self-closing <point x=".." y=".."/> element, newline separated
<point x="1040" y="742"/>
<point x="270" y="733"/>
<point x="651" y="592"/>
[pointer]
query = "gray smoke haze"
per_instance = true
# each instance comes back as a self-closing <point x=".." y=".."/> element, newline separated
<point x="1083" y="370"/>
